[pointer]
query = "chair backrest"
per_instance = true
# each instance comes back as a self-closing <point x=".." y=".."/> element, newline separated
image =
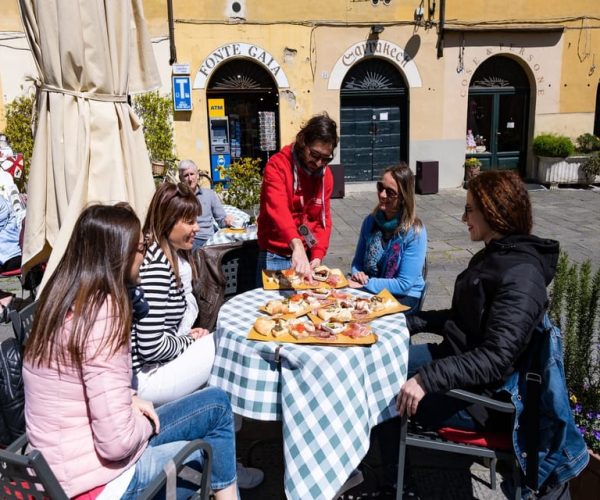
<point x="27" y="476"/>
<point x="222" y="271"/>
<point x="238" y="266"/>
<point x="22" y="321"/>
<point x="424" y="292"/>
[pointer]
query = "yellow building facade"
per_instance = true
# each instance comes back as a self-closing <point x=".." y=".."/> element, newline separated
<point x="415" y="81"/>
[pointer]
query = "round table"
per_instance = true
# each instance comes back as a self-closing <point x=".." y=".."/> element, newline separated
<point x="328" y="398"/>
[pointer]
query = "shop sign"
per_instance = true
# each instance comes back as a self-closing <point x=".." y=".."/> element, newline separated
<point x="216" y="107"/>
<point x="374" y="48"/>
<point x="239" y="50"/>
<point x="182" y="93"/>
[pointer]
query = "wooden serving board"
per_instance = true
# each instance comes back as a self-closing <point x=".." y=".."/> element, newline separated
<point x="396" y="307"/>
<point x="340" y="341"/>
<point x="271" y="283"/>
<point x="234" y="230"/>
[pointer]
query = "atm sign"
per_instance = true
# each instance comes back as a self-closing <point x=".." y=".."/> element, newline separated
<point x="216" y="107"/>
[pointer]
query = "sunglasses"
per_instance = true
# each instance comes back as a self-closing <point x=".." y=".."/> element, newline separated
<point x="389" y="192"/>
<point x="316" y="156"/>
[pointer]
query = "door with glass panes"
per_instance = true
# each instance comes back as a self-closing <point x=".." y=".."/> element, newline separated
<point x="497" y="114"/>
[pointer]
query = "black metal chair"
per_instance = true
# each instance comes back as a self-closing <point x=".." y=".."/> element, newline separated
<point x="28" y="475"/>
<point x="223" y="271"/>
<point x="435" y="441"/>
<point x="424" y="293"/>
<point x="22" y="322"/>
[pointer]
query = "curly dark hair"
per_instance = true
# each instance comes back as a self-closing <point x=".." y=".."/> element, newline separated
<point x="503" y="200"/>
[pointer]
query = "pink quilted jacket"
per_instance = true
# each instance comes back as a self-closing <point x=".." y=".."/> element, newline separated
<point x="81" y="419"/>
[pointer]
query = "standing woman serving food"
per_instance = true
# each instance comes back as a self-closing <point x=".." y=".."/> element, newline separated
<point x="294" y="224"/>
<point x="392" y="245"/>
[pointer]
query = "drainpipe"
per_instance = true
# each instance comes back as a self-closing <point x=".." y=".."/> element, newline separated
<point x="440" y="44"/>
<point x="172" y="49"/>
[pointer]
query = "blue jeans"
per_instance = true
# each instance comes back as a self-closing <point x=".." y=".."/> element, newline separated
<point x="409" y="301"/>
<point x="198" y="244"/>
<point x="205" y="414"/>
<point x="270" y="261"/>
<point x="437" y="410"/>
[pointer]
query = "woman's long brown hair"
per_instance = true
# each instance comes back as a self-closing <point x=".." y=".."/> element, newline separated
<point x="170" y="204"/>
<point x="96" y="265"/>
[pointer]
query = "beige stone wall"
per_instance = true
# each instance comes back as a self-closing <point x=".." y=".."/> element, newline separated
<point x="560" y="63"/>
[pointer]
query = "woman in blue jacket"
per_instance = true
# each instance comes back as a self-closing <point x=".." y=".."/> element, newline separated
<point x="392" y="244"/>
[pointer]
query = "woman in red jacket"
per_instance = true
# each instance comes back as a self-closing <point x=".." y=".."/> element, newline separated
<point x="294" y="224"/>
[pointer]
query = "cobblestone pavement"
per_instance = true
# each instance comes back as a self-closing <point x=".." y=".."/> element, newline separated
<point x="569" y="215"/>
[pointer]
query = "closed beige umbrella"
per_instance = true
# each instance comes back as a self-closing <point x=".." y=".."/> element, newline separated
<point x="89" y="145"/>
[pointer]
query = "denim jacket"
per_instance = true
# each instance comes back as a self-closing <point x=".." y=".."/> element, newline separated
<point x="562" y="452"/>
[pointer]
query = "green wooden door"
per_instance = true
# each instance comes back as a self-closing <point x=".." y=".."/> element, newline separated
<point x="370" y="138"/>
<point x="373" y="118"/>
<point x="497" y="114"/>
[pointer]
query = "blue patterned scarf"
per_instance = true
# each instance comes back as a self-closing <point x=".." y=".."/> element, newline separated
<point x="382" y="257"/>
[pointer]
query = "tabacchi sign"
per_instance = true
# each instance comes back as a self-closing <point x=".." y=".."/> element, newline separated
<point x="239" y="50"/>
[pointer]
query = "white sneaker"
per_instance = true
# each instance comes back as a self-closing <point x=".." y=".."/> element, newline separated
<point x="248" y="477"/>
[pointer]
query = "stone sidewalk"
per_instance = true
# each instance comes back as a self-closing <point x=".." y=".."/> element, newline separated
<point x="569" y="215"/>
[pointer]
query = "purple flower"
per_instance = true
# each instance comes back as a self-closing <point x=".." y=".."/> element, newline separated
<point x="597" y="435"/>
<point x="577" y="408"/>
<point x="581" y="430"/>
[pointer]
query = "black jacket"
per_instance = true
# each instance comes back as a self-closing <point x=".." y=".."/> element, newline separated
<point x="498" y="301"/>
<point x="12" y="394"/>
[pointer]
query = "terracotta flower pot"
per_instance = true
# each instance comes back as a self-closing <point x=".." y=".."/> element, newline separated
<point x="587" y="484"/>
<point x="158" y="168"/>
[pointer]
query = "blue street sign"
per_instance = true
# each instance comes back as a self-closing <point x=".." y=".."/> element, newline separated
<point x="182" y="93"/>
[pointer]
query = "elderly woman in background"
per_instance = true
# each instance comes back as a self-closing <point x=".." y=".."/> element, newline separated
<point x="211" y="207"/>
<point x="392" y="245"/>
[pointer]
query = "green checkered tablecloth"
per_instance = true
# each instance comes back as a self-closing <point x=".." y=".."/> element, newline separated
<point x="328" y="398"/>
<point x="224" y="236"/>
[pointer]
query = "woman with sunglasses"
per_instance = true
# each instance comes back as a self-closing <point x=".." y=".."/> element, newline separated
<point x="392" y="245"/>
<point x="169" y="363"/>
<point x="294" y="224"/>
<point x="80" y="409"/>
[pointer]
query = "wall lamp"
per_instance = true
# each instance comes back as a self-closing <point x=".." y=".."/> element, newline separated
<point x="376" y="29"/>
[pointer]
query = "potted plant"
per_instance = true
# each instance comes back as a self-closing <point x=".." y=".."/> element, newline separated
<point x="557" y="161"/>
<point x="156" y="113"/>
<point x="575" y="307"/>
<point x="20" y="114"/>
<point x="472" y="168"/>
<point x="591" y="167"/>
<point x="242" y="184"/>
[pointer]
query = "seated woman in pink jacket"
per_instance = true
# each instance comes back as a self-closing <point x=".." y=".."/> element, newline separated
<point x="80" y="410"/>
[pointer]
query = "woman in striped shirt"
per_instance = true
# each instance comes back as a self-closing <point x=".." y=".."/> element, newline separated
<point x="170" y="363"/>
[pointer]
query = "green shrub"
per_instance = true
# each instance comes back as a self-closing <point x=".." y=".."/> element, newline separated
<point x="553" y="145"/>
<point x="472" y="162"/>
<point x="574" y="307"/>
<point x="587" y="143"/>
<point x="592" y="166"/>
<point x="243" y="182"/>
<point x="19" y="118"/>
<point x="156" y="113"/>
